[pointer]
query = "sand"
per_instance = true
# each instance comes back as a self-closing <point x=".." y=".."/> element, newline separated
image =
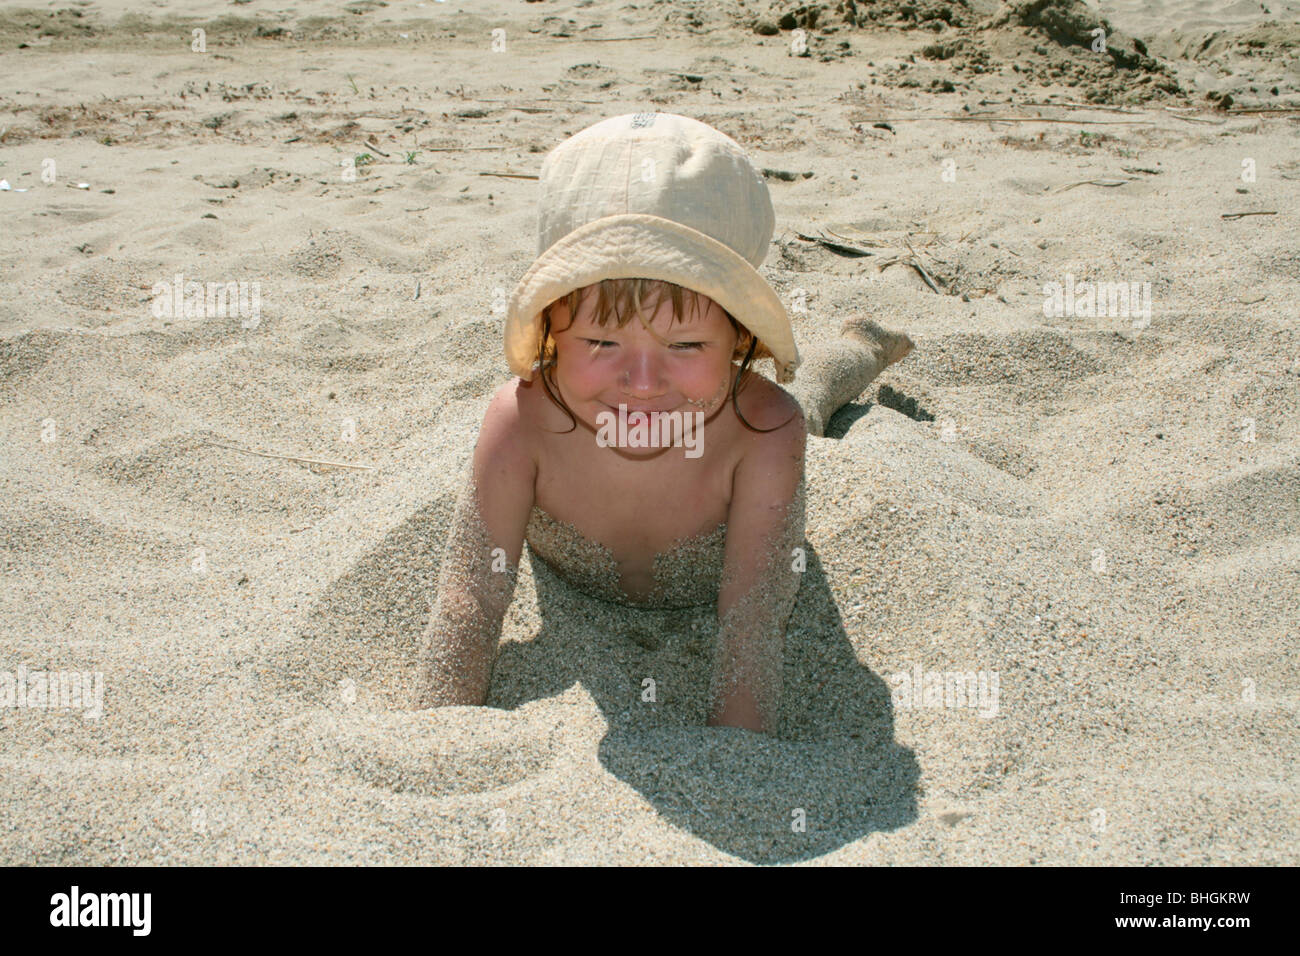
<point x="688" y="574"/>
<point x="1099" y="511"/>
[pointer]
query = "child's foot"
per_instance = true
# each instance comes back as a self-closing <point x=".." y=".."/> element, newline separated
<point x="892" y="346"/>
<point x="834" y="374"/>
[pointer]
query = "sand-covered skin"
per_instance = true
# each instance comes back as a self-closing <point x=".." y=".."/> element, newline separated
<point x="754" y="606"/>
<point x="834" y="373"/>
<point x="475" y="584"/>
<point x="686" y="575"/>
<point x="1104" y="514"/>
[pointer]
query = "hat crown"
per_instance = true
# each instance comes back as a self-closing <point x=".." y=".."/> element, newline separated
<point x="658" y="164"/>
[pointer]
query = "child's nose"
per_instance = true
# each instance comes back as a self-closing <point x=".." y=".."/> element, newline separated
<point x="640" y="372"/>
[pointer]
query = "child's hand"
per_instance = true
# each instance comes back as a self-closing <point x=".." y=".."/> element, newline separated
<point x="739" y="710"/>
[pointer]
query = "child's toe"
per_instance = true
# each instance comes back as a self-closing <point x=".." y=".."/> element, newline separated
<point x="891" y="345"/>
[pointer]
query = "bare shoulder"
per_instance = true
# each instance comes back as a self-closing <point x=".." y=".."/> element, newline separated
<point x="506" y="432"/>
<point x="533" y="406"/>
<point x="776" y="416"/>
<point x="510" y="393"/>
<point x="769" y="470"/>
<point x="769" y="464"/>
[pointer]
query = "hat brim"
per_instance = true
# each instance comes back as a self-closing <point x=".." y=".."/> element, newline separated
<point x="637" y="245"/>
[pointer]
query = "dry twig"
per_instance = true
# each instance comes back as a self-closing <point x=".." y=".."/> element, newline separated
<point x="306" y="461"/>
<point x="1069" y="105"/>
<point x="648" y="36"/>
<point x="836" y="246"/>
<point x="1096" y="182"/>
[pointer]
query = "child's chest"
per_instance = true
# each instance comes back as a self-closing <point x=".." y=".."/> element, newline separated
<point x="636" y="510"/>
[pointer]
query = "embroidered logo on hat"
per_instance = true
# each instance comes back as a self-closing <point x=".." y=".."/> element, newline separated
<point x="644" y="119"/>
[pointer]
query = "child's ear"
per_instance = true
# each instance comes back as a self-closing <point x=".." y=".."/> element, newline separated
<point x="743" y="339"/>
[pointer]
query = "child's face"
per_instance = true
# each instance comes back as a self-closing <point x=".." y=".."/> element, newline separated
<point x="599" y="367"/>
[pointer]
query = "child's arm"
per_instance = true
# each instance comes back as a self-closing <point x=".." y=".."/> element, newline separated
<point x="481" y="563"/>
<point x="765" y="524"/>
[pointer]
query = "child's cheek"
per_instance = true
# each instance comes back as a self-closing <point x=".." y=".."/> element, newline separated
<point x="709" y="386"/>
<point x="587" y="377"/>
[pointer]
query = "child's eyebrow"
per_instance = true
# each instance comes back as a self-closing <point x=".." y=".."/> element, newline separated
<point x="677" y="328"/>
<point x="679" y="339"/>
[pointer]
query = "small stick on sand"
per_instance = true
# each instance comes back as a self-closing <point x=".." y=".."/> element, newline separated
<point x="864" y="240"/>
<point x="1238" y="215"/>
<point x="920" y="269"/>
<point x="1096" y="182"/>
<point x="840" y="247"/>
<point x="511" y="175"/>
<point x="544" y="99"/>
<point x="648" y="36"/>
<point x="1266" y="109"/>
<point x="985" y="118"/>
<point x="1082" y="106"/>
<point x="1181" y="114"/>
<point x="307" y="461"/>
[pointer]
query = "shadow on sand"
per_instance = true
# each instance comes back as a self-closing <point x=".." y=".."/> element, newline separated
<point x="830" y="775"/>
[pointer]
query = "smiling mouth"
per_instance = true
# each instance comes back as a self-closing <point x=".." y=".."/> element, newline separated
<point x="644" y="411"/>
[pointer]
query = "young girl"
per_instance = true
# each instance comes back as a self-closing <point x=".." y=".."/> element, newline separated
<point x="645" y="308"/>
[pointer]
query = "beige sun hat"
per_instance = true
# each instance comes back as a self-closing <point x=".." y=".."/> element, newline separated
<point x="656" y="196"/>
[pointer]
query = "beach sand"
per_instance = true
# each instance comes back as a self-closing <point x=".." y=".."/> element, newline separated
<point x="1101" y="513"/>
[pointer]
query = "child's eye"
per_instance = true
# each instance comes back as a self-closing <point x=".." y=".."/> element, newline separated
<point x="681" y="346"/>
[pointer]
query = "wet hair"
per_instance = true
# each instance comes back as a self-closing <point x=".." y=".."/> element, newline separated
<point x="620" y="299"/>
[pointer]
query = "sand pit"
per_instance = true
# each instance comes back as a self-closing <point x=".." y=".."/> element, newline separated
<point x="1102" y="512"/>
